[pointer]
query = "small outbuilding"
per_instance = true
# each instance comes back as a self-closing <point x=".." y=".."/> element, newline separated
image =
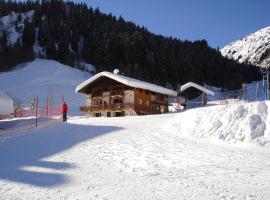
<point x="6" y="104"/>
<point x="195" y="92"/>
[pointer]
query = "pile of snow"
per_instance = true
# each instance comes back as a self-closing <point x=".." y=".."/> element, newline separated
<point x="45" y="78"/>
<point x="234" y="122"/>
<point x="253" y="48"/>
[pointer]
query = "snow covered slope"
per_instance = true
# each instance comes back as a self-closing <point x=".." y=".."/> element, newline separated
<point x="254" y="48"/>
<point x="44" y="78"/>
<point x="172" y="156"/>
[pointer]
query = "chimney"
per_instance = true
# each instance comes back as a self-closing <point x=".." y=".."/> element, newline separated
<point x="116" y="71"/>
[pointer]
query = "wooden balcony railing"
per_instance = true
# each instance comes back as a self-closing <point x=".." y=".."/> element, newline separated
<point x="110" y="94"/>
<point x="117" y="92"/>
<point x="118" y="106"/>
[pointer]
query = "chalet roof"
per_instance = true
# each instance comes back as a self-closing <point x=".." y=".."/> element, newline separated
<point x="129" y="82"/>
<point x="199" y="87"/>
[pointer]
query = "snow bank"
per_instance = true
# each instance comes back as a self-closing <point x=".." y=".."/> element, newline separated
<point x="45" y="78"/>
<point x="235" y="122"/>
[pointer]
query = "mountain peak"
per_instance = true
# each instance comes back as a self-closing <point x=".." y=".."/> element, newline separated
<point x="253" y="48"/>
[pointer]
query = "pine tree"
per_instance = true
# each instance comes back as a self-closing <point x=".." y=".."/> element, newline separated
<point x="28" y="34"/>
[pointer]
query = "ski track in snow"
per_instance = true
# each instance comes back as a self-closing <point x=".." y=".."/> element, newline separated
<point x="146" y="157"/>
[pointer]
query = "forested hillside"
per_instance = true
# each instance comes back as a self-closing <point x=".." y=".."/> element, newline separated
<point x="72" y="33"/>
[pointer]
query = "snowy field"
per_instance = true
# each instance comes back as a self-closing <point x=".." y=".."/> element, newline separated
<point x="215" y="152"/>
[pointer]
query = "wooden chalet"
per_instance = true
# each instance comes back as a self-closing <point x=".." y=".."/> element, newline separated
<point x="110" y="94"/>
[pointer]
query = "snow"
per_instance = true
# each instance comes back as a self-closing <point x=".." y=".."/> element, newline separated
<point x="86" y="67"/>
<point x="207" y="153"/>
<point x="44" y="78"/>
<point x="127" y="81"/>
<point x="250" y="48"/>
<point x="199" y="87"/>
<point x="234" y="123"/>
<point x="172" y="156"/>
<point x="13" y="26"/>
<point x="6" y="103"/>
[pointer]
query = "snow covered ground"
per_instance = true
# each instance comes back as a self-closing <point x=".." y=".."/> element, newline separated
<point x="215" y="152"/>
<point x="44" y="78"/>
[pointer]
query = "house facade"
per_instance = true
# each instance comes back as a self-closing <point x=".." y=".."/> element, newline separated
<point x="109" y="94"/>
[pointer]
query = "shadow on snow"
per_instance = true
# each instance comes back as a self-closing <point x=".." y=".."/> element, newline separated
<point x="28" y="150"/>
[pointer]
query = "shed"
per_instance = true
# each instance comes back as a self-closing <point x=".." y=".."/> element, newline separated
<point x="193" y="91"/>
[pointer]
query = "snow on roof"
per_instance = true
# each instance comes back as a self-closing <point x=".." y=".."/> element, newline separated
<point x="128" y="81"/>
<point x="199" y="87"/>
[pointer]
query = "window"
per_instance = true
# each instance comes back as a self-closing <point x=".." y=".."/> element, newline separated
<point x="140" y="101"/>
<point x="147" y="103"/>
<point x="96" y="92"/>
<point x="117" y="90"/>
<point x="160" y="97"/>
<point x="119" y="114"/>
<point x="96" y="102"/>
<point x="117" y="101"/>
<point x="97" y="114"/>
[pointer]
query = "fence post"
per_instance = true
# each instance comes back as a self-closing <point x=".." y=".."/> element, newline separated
<point x="202" y="103"/>
<point x="63" y="100"/>
<point x="47" y="106"/>
<point x="257" y="91"/>
<point x="36" y="110"/>
<point x="267" y="84"/>
<point x="244" y="91"/>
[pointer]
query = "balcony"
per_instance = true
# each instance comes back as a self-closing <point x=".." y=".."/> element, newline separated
<point x="114" y="93"/>
<point x="112" y="107"/>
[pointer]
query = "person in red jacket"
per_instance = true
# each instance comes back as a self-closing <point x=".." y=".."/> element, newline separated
<point x="64" y="111"/>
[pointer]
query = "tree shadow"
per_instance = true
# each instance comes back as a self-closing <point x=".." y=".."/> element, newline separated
<point x="21" y="155"/>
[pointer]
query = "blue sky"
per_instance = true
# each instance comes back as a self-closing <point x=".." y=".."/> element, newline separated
<point x="218" y="21"/>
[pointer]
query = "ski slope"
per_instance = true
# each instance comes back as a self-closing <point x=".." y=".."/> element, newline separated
<point x="44" y="78"/>
<point x="215" y="152"/>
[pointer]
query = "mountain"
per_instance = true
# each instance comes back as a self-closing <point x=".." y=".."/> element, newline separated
<point x="73" y="33"/>
<point x="254" y="48"/>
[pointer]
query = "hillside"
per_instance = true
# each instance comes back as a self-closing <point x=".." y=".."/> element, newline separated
<point x="73" y="33"/>
<point x="201" y="154"/>
<point x="44" y="78"/>
<point x="254" y="48"/>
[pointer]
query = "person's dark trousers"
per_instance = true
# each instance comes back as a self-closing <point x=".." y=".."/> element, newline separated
<point x="64" y="116"/>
